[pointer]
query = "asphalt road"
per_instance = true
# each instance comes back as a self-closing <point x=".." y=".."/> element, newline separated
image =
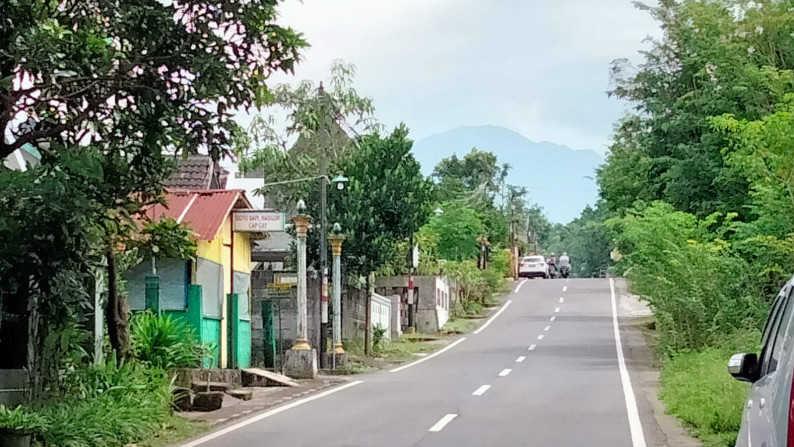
<point x="544" y="372"/>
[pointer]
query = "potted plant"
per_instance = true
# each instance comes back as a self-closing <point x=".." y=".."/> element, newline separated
<point x="18" y="425"/>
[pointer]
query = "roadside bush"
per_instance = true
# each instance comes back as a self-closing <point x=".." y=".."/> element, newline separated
<point x="164" y="342"/>
<point x="378" y="337"/>
<point x="699" y="289"/>
<point x="100" y="406"/>
<point x="500" y="262"/>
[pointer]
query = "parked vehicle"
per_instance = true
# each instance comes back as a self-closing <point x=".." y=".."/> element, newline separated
<point x="768" y="418"/>
<point x="533" y="267"/>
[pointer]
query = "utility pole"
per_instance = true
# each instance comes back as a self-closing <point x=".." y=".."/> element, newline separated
<point x="411" y="306"/>
<point x="514" y="248"/>
<point x="323" y="235"/>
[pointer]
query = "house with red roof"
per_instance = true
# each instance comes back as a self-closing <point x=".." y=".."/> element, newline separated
<point x="212" y="292"/>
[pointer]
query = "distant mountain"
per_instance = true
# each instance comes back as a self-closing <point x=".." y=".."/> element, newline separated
<point x="559" y="179"/>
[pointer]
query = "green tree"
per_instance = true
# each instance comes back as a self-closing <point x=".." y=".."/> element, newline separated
<point x="79" y="70"/>
<point x="477" y="180"/>
<point x="456" y="231"/>
<point x="106" y="91"/>
<point x="715" y="57"/>
<point x="320" y="122"/>
<point x="477" y="172"/>
<point x="386" y="198"/>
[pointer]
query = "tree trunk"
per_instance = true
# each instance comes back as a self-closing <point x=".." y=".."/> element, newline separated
<point x="117" y="312"/>
<point x="368" y="322"/>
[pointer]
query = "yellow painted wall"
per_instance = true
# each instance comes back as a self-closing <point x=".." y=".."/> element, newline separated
<point x="218" y="250"/>
<point x="210" y="250"/>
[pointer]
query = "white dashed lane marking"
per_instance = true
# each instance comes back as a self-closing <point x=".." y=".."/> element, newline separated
<point x="481" y="390"/>
<point x="443" y="422"/>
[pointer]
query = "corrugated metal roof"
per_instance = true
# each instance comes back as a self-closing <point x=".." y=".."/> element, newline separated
<point x="202" y="211"/>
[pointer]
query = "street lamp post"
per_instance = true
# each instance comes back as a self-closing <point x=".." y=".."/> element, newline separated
<point x="340" y="181"/>
<point x="337" y="238"/>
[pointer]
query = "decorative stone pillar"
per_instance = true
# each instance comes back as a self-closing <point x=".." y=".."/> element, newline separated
<point x="337" y="238"/>
<point x="301" y="360"/>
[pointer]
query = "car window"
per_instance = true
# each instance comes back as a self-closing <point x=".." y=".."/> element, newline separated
<point x="779" y="337"/>
<point x="771" y="333"/>
<point x="533" y="259"/>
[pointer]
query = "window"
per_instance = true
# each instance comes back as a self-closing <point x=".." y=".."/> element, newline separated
<point x="774" y="332"/>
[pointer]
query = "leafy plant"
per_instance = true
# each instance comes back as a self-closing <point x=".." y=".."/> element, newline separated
<point x="120" y="407"/>
<point x="165" y="342"/>
<point x="22" y="420"/>
<point x="378" y="337"/>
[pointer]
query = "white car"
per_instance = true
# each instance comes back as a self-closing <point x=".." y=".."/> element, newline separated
<point x="533" y="266"/>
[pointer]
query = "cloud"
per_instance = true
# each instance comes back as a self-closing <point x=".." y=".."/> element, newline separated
<point x="539" y="67"/>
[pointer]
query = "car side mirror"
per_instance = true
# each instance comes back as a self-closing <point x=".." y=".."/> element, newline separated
<point x="744" y="367"/>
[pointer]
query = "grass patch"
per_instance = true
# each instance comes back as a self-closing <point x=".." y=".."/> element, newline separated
<point x="405" y="349"/>
<point x="460" y="325"/>
<point x="697" y="388"/>
<point x="175" y="430"/>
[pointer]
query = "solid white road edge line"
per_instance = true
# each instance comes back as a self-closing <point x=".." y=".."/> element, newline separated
<point x="635" y="426"/>
<point x="267" y="414"/>
<point x="564" y="288"/>
<point x="443" y="422"/>
<point x="532" y="347"/>
<point x="424" y="359"/>
<point x="540" y="337"/>
<point x="490" y="320"/>
<point x="521" y="359"/>
<point x="481" y="390"/>
<point x="518" y="287"/>
<point x="505" y="372"/>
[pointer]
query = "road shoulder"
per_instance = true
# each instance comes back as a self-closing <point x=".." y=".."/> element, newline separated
<point x="660" y="428"/>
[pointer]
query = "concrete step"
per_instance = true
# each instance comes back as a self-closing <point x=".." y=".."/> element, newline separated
<point x="241" y="393"/>
<point x="202" y="386"/>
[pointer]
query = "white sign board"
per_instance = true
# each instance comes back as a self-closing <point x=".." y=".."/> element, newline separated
<point x="415" y="256"/>
<point x="256" y="221"/>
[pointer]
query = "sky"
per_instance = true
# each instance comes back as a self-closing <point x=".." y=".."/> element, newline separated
<point x="539" y="67"/>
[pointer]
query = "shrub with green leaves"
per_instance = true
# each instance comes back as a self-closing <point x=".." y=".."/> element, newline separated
<point x="699" y="288"/>
<point x="378" y="337"/>
<point x="22" y="420"/>
<point x="106" y="405"/>
<point x="119" y="405"/>
<point x="165" y="342"/>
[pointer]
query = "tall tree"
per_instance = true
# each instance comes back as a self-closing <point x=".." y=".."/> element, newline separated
<point x="386" y="198"/>
<point x="715" y="57"/>
<point x="108" y="89"/>
<point x="456" y="232"/>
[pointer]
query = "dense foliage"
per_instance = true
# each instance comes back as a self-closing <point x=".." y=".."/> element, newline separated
<point x="697" y="188"/>
<point x="106" y="101"/>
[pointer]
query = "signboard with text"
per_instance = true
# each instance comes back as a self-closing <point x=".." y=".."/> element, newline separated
<point x="257" y="221"/>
